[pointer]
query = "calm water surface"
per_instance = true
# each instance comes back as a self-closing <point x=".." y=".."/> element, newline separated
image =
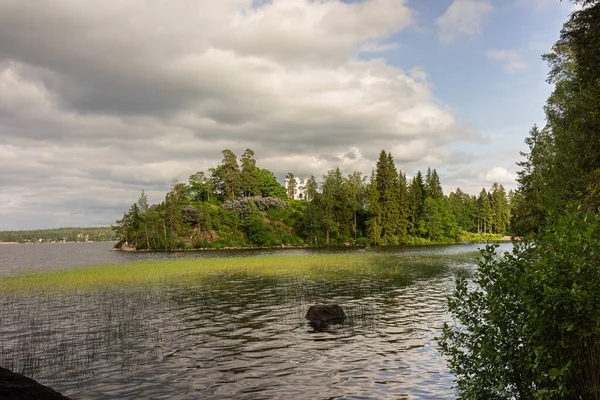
<point x="229" y="336"/>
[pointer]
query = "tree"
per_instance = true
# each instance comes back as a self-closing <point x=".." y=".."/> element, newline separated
<point x="573" y="111"/>
<point x="501" y="209"/>
<point x="290" y="182"/>
<point x="390" y="206"/>
<point x="133" y="227"/>
<point x="250" y="179"/>
<point x="374" y="213"/>
<point x="313" y="218"/>
<point x="311" y="188"/>
<point x="142" y="206"/>
<point x="463" y="206"/>
<point x="354" y="187"/>
<point x="527" y="326"/>
<point x="226" y="177"/>
<point x="201" y="187"/>
<point x="432" y="220"/>
<point x="433" y="187"/>
<point x="268" y="185"/>
<point x="336" y="205"/>
<point x="484" y="212"/>
<point x="416" y="203"/>
<point x="532" y="198"/>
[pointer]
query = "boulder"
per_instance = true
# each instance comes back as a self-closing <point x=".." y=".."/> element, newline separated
<point x="15" y="386"/>
<point x="322" y="315"/>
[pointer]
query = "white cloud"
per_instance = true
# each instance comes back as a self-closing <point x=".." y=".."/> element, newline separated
<point x="511" y="59"/>
<point x="498" y="175"/>
<point x="463" y="18"/>
<point x="373" y="47"/>
<point x="89" y="116"/>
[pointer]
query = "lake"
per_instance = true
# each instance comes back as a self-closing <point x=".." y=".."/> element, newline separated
<point x="230" y="336"/>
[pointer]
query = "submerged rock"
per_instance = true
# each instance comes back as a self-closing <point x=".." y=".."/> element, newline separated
<point x="15" y="386"/>
<point x="322" y="315"/>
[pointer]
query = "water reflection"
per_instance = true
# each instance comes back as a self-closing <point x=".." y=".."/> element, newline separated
<point x="235" y="336"/>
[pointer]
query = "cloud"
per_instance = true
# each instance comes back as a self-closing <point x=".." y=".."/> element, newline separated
<point x="511" y="60"/>
<point x="498" y="175"/>
<point x="102" y="100"/>
<point x="372" y="47"/>
<point x="464" y="18"/>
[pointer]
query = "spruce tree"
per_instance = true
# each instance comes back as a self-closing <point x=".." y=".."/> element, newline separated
<point x="416" y="203"/>
<point x="374" y="211"/>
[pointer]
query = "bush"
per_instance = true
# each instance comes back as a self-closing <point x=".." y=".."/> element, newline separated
<point x="529" y="326"/>
<point x="189" y="214"/>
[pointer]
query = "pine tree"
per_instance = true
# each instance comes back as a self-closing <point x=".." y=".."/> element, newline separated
<point x="250" y="179"/>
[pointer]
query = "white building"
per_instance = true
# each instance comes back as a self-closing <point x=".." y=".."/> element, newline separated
<point x="300" y="192"/>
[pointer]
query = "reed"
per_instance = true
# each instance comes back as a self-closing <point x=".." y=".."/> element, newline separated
<point x="328" y="267"/>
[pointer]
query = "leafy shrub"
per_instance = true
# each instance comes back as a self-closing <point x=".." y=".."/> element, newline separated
<point x="529" y="326"/>
<point x="189" y="215"/>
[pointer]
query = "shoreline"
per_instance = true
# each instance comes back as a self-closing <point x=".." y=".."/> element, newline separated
<point x="130" y="249"/>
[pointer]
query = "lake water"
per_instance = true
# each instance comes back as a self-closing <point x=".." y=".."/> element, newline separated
<point x="242" y="337"/>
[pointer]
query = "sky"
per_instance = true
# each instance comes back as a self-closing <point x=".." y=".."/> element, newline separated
<point x="101" y="100"/>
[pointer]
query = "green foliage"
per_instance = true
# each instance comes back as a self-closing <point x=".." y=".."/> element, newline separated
<point x="189" y="215"/>
<point x="250" y="179"/>
<point x="464" y="207"/>
<point x="269" y="187"/>
<point x="248" y="207"/>
<point x="528" y="327"/>
<point x="531" y="202"/>
<point x="97" y="234"/>
<point x="562" y="168"/>
<point x="201" y="187"/>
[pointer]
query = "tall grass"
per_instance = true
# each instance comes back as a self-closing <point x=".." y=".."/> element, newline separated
<point x="329" y="266"/>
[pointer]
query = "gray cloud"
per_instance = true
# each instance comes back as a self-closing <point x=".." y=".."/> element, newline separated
<point x="101" y="100"/>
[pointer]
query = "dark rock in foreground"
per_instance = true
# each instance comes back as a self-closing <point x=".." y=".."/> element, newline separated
<point x="15" y="386"/>
<point x="322" y="315"/>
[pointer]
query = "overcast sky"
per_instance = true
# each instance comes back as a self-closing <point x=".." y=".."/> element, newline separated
<point x="101" y="99"/>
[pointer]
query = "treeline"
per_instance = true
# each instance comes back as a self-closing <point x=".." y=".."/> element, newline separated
<point x="561" y="171"/>
<point x="240" y="204"/>
<point x="527" y="325"/>
<point x="96" y="234"/>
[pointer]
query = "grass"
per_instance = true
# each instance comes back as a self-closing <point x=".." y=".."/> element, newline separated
<point x="329" y="266"/>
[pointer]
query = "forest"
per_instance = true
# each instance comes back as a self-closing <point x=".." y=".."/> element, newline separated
<point x="96" y="234"/>
<point x="238" y="204"/>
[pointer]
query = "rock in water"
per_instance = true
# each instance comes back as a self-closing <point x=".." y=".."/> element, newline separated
<point x="15" y="386"/>
<point x="321" y="315"/>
